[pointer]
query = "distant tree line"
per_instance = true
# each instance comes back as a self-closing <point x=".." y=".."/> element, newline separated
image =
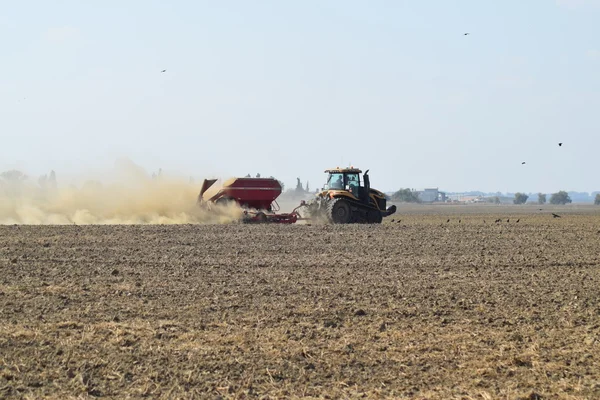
<point x="560" y="197"/>
<point x="406" y="196"/>
<point x="495" y="200"/>
<point x="520" y="198"/>
<point x="541" y="198"/>
<point x="15" y="177"/>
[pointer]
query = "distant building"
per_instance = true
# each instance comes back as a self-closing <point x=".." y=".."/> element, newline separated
<point x="468" y="198"/>
<point x="431" y="195"/>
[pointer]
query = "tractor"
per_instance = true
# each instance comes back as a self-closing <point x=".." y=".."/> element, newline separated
<point x="344" y="200"/>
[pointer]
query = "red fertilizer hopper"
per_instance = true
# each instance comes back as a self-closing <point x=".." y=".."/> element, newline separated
<point x="256" y="196"/>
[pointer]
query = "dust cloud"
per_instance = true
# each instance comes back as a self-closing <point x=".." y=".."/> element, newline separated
<point x="125" y="195"/>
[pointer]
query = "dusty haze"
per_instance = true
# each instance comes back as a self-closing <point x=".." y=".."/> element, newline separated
<point x="125" y="195"/>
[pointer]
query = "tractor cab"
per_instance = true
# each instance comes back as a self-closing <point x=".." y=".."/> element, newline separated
<point x="348" y="179"/>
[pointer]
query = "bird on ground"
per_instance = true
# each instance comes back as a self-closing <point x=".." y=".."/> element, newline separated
<point x="555" y="215"/>
<point x="392" y="220"/>
<point x="459" y="221"/>
<point x="399" y="220"/>
<point x="518" y="221"/>
<point x="448" y="220"/>
<point x="560" y="144"/>
<point x="508" y="220"/>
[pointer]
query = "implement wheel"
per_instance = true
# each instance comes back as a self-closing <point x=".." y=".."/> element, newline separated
<point x="261" y="217"/>
<point x="339" y="212"/>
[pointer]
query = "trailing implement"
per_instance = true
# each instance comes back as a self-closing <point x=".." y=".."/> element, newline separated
<point x="256" y="196"/>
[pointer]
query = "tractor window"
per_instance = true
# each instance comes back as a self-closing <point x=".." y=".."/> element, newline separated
<point x="353" y="183"/>
<point x="336" y="181"/>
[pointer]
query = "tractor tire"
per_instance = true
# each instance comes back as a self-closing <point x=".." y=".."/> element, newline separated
<point x="339" y="211"/>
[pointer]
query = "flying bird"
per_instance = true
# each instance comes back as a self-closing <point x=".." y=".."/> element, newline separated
<point x="164" y="70"/>
<point x="560" y="144"/>
<point x="466" y="33"/>
<point x="523" y="163"/>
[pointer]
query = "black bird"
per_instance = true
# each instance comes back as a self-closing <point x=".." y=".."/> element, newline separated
<point x="466" y="33"/>
<point x="392" y="220"/>
<point x="164" y="70"/>
<point x="518" y="221"/>
<point x="484" y="221"/>
<point x="399" y="220"/>
<point x="555" y="215"/>
<point x="459" y="221"/>
<point x="508" y="220"/>
<point x="523" y="163"/>
<point x="448" y="220"/>
<point x="560" y="144"/>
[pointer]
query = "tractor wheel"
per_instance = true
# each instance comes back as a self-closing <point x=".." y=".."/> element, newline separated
<point x="339" y="212"/>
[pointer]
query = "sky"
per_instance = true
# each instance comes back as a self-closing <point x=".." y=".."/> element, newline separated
<point x="288" y="89"/>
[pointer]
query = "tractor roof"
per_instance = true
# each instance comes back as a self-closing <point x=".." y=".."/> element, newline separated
<point x="338" y="170"/>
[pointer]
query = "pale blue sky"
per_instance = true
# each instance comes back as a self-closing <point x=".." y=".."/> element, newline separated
<point x="291" y="88"/>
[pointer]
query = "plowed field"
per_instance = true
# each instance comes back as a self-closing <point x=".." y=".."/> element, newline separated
<point x="421" y="308"/>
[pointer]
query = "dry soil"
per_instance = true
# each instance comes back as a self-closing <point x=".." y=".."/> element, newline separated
<point x="415" y="308"/>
